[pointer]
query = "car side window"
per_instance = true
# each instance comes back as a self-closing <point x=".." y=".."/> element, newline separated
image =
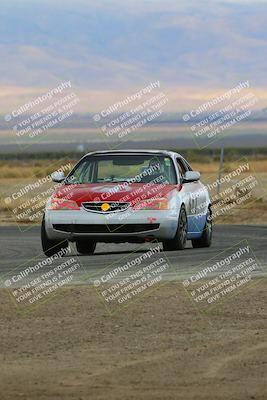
<point x="187" y="165"/>
<point x="182" y="168"/>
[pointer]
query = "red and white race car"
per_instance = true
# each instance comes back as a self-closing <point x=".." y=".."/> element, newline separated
<point x="127" y="196"/>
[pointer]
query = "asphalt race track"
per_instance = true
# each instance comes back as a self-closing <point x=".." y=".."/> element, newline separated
<point x="22" y="249"/>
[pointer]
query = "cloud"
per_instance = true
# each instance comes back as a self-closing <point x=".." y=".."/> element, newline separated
<point x="106" y="47"/>
<point x="180" y="98"/>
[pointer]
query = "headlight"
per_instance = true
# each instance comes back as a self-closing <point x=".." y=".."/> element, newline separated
<point x="62" y="204"/>
<point x="153" y="204"/>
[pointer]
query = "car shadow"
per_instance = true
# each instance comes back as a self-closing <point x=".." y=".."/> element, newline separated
<point x="107" y="253"/>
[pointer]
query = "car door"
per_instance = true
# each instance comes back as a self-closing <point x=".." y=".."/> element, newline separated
<point x="194" y="197"/>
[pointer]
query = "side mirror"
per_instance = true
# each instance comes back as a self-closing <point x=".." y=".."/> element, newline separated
<point x="191" y="176"/>
<point x="58" y="176"/>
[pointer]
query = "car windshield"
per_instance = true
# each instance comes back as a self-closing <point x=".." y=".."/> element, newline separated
<point x="116" y="168"/>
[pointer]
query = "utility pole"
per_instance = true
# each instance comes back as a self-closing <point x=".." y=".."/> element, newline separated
<point x="220" y="170"/>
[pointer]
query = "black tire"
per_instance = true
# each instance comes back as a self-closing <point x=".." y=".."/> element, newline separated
<point x="179" y="240"/>
<point x="85" y="246"/>
<point x="51" y="247"/>
<point x="206" y="238"/>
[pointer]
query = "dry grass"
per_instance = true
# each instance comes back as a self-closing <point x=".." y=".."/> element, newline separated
<point x="212" y="167"/>
<point x="15" y="174"/>
<point x="40" y="168"/>
<point x="29" y="169"/>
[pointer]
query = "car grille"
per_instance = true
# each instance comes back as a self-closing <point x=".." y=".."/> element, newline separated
<point x="111" y="228"/>
<point x="115" y="206"/>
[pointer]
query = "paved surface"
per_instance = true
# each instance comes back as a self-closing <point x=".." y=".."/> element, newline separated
<point x="20" y="250"/>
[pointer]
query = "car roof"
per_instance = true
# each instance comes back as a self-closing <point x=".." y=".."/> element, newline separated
<point x="134" y="151"/>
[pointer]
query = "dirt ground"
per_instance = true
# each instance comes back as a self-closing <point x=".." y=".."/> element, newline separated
<point x="160" y="347"/>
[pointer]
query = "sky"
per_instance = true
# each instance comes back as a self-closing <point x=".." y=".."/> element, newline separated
<point x="108" y="49"/>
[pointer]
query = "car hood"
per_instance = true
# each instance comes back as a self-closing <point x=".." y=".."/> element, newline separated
<point x="131" y="193"/>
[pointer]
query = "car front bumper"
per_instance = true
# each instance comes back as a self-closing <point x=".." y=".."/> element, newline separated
<point x="120" y="226"/>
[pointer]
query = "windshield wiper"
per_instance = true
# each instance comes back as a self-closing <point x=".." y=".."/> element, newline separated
<point x="71" y="183"/>
<point x="119" y="181"/>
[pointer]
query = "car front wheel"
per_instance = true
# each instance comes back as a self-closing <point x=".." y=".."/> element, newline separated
<point x="179" y="240"/>
<point x="51" y="247"/>
<point x="85" y="247"/>
<point x="206" y="238"/>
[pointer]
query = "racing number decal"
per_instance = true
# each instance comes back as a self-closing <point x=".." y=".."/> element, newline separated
<point x="193" y="203"/>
